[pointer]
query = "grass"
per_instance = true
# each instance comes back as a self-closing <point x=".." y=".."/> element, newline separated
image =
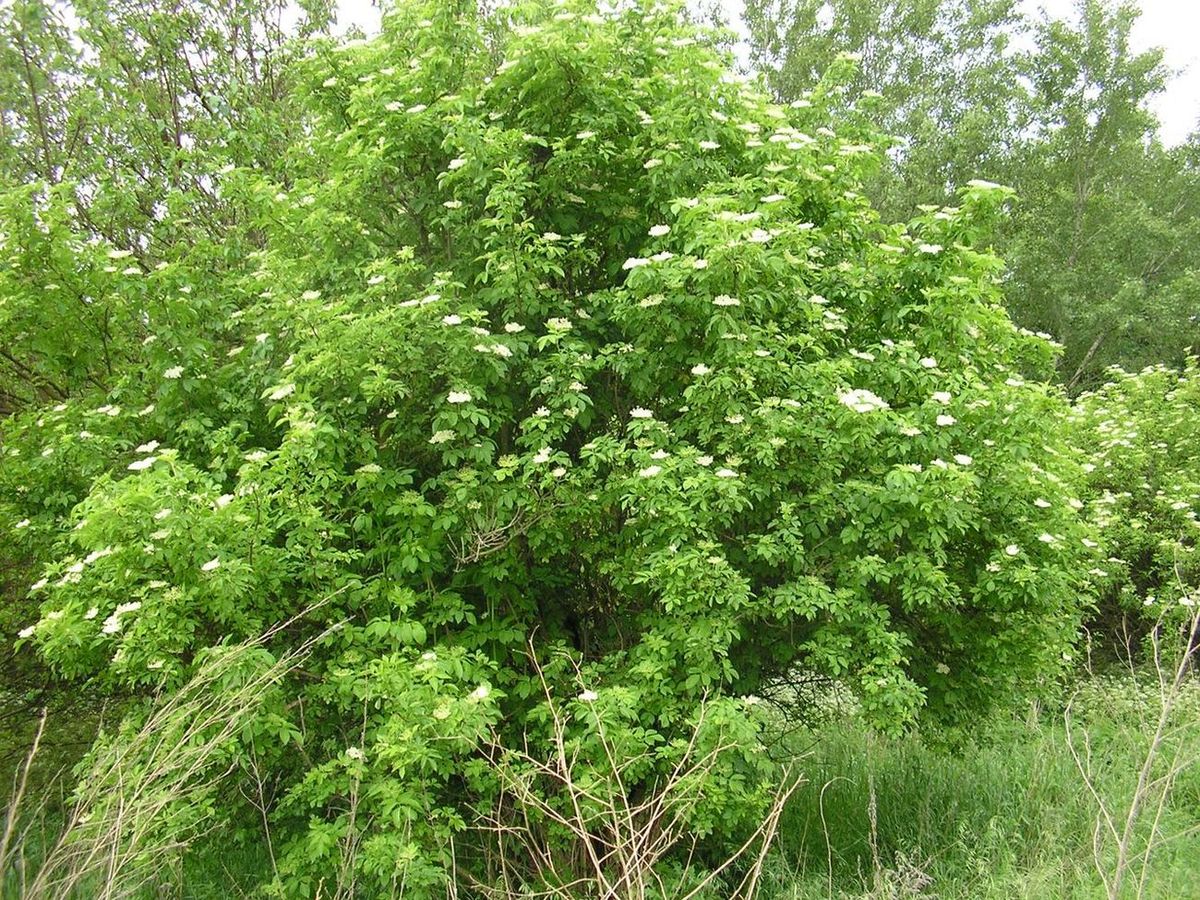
<point x="1005" y="815"/>
<point x="1008" y="815"/>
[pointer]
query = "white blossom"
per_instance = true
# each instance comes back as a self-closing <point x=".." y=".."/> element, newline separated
<point x="173" y="372"/>
<point x="639" y="412"/>
<point x="945" y="420"/>
<point x="660" y="230"/>
<point x="726" y="473"/>
<point x="452" y="320"/>
<point x="140" y="464"/>
<point x="589" y="696"/>
<point x="649" y="471"/>
<point x="862" y="400"/>
<point x="148" y="447"/>
<point x="700" y="369"/>
<point x="284" y="390"/>
<point x="458" y="397"/>
<point x="212" y="565"/>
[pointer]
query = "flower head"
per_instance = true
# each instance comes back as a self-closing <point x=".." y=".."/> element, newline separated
<point x="862" y="401"/>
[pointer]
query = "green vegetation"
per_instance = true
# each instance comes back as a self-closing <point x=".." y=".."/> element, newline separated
<point x="515" y="456"/>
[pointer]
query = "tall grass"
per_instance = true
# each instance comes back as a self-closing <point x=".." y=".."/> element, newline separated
<point x="1006" y="815"/>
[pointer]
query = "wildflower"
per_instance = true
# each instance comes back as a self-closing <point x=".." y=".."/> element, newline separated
<point x="451" y="320"/>
<point x="514" y="328"/>
<point x="24" y="523"/>
<point x="700" y="264"/>
<point x="139" y="465"/>
<point x="634" y="262"/>
<point x="542" y="456"/>
<point x="481" y="692"/>
<point x="223" y="501"/>
<point x="700" y="369"/>
<point x="652" y="163"/>
<point x="148" y="447"/>
<point x="91" y="613"/>
<point x="1046" y="538"/>
<point x="735" y="419"/>
<point x="38" y="585"/>
<point x="356" y="754"/>
<point x="726" y="473"/>
<point x="659" y="454"/>
<point x="311" y="295"/>
<point x="212" y="565"/>
<point x="458" y="397"/>
<point x="758" y="236"/>
<point x="704" y="460"/>
<point x="585" y="135"/>
<point x="709" y="145"/>
<point x="726" y="300"/>
<point x="26" y="632"/>
<point x="639" y="412"/>
<point x="173" y="372"/>
<point x="551" y="236"/>
<point x="650" y="471"/>
<point x="1012" y="550"/>
<point x="941" y="396"/>
<point x="1041" y="503"/>
<point x="930" y="248"/>
<point x="558" y="324"/>
<point x="862" y="401"/>
<point x="589" y="696"/>
<point x="559" y="472"/>
<point x="96" y="555"/>
<point x="962" y="459"/>
<point x="944" y="420"/>
<point x="928" y="362"/>
<point x="457" y="163"/>
<point x="284" y="390"/>
<point x="370" y="469"/>
<point x="660" y="230"/>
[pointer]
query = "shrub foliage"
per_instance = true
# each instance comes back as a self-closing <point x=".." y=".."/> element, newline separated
<point x="560" y="359"/>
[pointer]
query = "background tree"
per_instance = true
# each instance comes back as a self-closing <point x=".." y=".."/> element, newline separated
<point x="1102" y="243"/>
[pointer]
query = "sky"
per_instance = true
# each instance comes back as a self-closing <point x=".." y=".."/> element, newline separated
<point x="1173" y="25"/>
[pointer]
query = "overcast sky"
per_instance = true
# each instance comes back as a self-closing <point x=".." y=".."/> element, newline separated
<point x="1173" y="25"/>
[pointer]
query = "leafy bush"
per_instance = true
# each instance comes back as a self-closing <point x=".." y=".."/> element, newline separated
<point x="562" y="351"/>
<point x="1143" y="492"/>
